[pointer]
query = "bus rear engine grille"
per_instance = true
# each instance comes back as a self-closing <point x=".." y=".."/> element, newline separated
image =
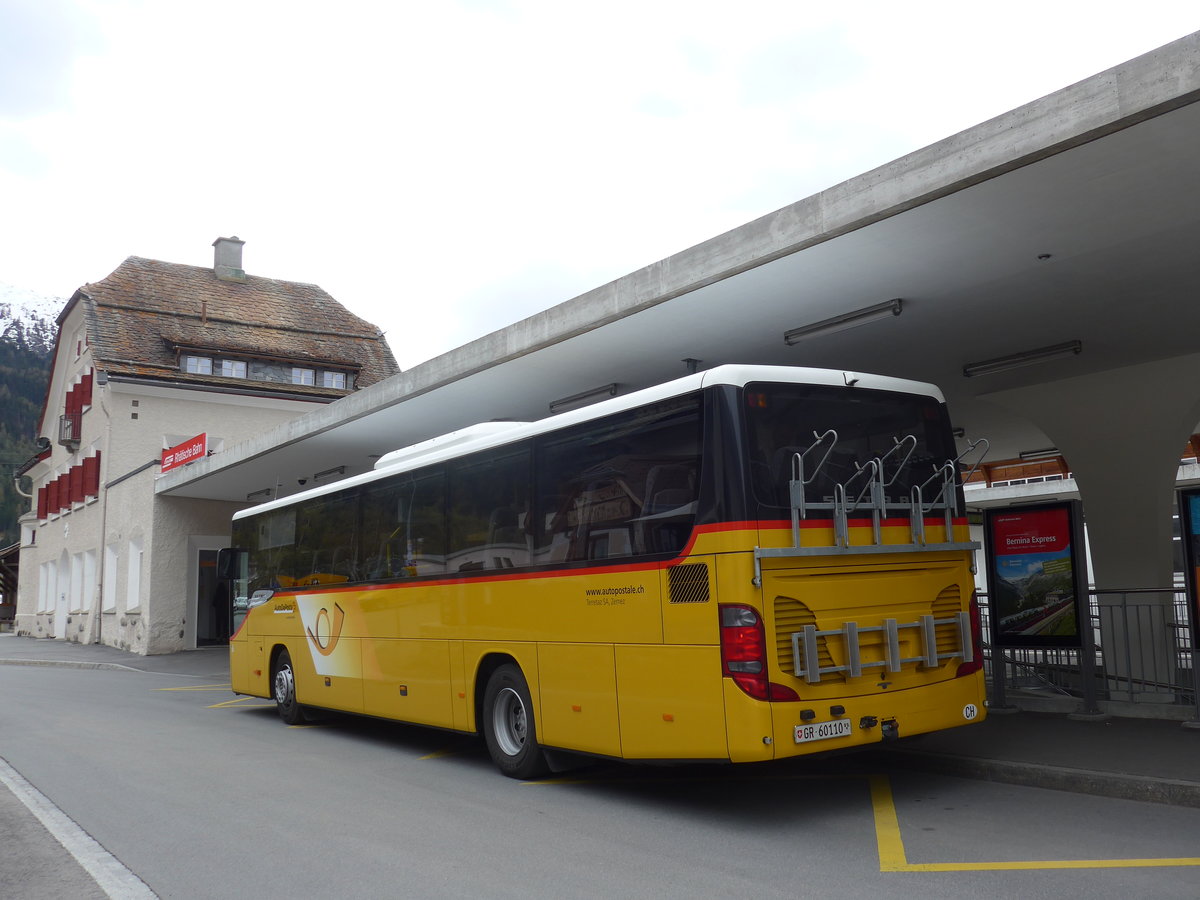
<point x="945" y="608"/>
<point x="688" y="583"/>
<point x="791" y="616"/>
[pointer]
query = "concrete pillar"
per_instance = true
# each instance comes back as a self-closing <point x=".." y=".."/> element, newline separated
<point x="1122" y="432"/>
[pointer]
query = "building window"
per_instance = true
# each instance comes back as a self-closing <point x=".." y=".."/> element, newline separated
<point x="45" y="588"/>
<point x="303" y="376"/>
<point x="89" y="580"/>
<point x="133" y="575"/>
<point x="76" y="590"/>
<point x="109" y="588"/>
<point x="197" y="365"/>
<point x="233" y="368"/>
<point x="334" y="380"/>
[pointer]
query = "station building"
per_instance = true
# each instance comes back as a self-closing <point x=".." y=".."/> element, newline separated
<point x="157" y="366"/>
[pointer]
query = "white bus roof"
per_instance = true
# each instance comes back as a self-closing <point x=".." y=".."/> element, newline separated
<point x="494" y="434"/>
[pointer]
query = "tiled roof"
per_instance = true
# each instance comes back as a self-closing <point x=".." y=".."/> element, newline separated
<point x="140" y="315"/>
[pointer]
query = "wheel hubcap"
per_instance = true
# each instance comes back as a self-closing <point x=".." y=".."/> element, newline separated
<point x="511" y="724"/>
<point x="284" y="686"/>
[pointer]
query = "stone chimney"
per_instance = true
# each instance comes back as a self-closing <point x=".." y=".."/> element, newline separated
<point x="227" y="259"/>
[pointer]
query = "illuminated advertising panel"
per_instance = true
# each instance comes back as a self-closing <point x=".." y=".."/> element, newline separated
<point x="1189" y="525"/>
<point x="1036" y="575"/>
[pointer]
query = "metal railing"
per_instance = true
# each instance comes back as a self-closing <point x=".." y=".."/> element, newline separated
<point x="1143" y="652"/>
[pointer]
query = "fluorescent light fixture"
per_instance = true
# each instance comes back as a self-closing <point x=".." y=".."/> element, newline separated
<point x="583" y="398"/>
<point x="845" y="320"/>
<point x="1044" y="453"/>
<point x="1027" y="358"/>
<point x="264" y="494"/>
<point x="336" y="470"/>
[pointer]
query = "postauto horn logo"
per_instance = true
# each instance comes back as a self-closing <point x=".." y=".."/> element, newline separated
<point x="325" y="634"/>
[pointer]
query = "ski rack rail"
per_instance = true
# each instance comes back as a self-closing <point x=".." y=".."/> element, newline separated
<point x="871" y="481"/>
<point x="806" y="649"/>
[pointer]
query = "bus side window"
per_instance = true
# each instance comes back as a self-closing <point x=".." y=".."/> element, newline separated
<point x="670" y="508"/>
<point x="403" y="527"/>
<point x="489" y="499"/>
<point x="325" y="530"/>
<point x="630" y="484"/>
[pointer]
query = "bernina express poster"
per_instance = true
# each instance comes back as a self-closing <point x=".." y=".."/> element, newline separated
<point x="1035" y="568"/>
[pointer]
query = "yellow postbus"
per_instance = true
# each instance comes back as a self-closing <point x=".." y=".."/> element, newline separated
<point x="749" y="563"/>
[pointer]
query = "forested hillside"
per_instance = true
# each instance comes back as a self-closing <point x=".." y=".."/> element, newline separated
<point x="26" y="344"/>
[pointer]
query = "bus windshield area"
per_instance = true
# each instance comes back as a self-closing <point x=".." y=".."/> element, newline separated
<point x="845" y="436"/>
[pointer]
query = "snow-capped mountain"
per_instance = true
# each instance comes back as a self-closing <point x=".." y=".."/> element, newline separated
<point x="27" y="318"/>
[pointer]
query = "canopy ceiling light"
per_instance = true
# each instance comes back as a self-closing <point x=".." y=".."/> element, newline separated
<point x="845" y="320"/>
<point x="1027" y="358"/>
<point x="562" y="404"/>
<point x="1044" y="453"/>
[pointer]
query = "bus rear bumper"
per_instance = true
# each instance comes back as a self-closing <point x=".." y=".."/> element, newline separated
<point x="761" y="731"/>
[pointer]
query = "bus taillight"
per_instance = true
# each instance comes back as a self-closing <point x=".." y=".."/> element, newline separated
<point x="976" y="663"/>
<point x="744" y="654"/>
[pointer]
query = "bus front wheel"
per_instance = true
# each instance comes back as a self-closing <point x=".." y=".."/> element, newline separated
<point x="284" y="683"/>
<point x="508" y="725"/>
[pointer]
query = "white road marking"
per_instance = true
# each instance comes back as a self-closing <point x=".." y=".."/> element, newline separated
<point x="107" y="871"/>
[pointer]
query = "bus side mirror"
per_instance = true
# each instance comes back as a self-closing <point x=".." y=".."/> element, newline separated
<point x="233" y="564"/>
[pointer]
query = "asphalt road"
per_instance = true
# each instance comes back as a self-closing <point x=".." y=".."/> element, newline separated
<point x="199" y="794"/>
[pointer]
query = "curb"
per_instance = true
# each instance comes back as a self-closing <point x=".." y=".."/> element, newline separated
<point x="116" y="667"/>
<point x="1144" y="788"/>
<point x="68" y="664"/>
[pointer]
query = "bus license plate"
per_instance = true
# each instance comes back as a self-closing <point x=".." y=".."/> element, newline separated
<point x="820" y="731"/>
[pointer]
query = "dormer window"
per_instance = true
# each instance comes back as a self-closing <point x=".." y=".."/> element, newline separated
<point x="233" y="368"/>
<point x="196" y="365"/>
<point x="334" y="380"/>
<point x="303" y="376"/>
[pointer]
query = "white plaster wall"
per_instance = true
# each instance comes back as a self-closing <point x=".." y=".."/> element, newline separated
<point x="131" y="424"/>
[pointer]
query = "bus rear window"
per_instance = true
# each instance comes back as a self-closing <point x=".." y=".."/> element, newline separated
<point x="785" y="419"/>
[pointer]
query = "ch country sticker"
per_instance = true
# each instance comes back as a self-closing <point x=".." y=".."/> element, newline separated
<point x="327" y="633"/>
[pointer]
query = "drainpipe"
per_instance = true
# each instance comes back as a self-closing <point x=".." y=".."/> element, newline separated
<point x="101" y="378"/>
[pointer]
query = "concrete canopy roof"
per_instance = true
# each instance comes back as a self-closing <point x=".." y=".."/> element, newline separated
<point x="1100" y="178"/>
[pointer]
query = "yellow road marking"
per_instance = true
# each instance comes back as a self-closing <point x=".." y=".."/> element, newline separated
<point x="892" y="857"/>
<point x="242" y="703"/>
<point x="439" y="754"/>
<point x="887" y="826"/>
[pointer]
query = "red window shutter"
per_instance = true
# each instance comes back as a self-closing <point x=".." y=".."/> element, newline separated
<point x="64" y="491"/>
<point x="85" y="391"/>
<point x="91" y="476"/>
<point x="43" y="502"/>
<point x="72" y="402"/>
<point x="52" y="496"/>
<point x="76" y="484"/>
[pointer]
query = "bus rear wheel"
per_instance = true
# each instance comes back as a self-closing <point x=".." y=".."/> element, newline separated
<point x="284" y="681"/>
<point x="508" y="725"/>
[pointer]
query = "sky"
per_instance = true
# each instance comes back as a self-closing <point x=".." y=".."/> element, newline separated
<point x="447" y="167"/>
